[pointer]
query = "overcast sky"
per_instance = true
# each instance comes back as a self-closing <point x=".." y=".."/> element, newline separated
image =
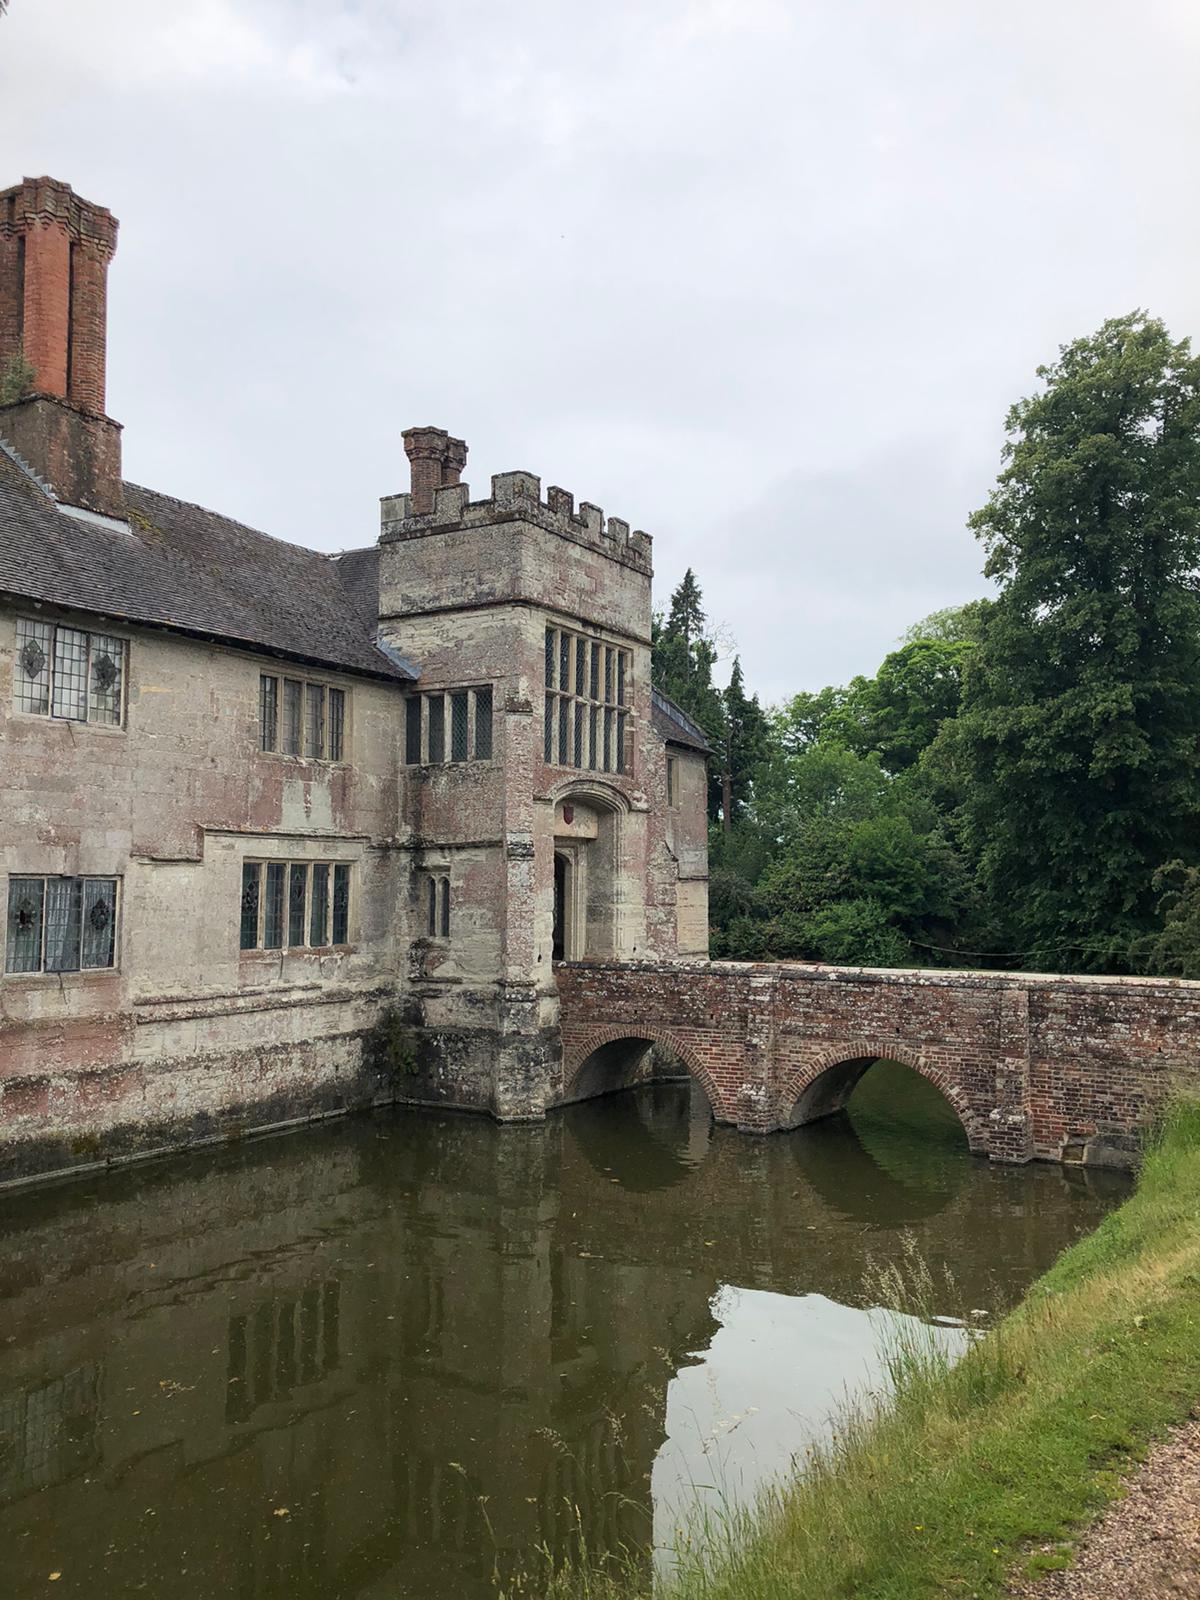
<point x="760" y="276"/>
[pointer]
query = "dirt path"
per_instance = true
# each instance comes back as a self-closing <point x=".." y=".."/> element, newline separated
<point x="1146" y="1546"/>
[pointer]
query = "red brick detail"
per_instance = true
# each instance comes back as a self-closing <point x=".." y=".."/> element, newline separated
<point x="89" y="319"/>
<point x="47" y="305"/>
<point x="803" y="1077"/>
<point x="1033" y="1064"/>
<point x="436" y="461"/>
<point x="575" y="1056"/>
<point x="55" y="248"/>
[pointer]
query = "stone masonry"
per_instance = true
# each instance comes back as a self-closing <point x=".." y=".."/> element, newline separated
<point x="205" y="732"/>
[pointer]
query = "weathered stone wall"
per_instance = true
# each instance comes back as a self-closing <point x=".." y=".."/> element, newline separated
<point x="468" y="589"/>
<point x="1035" y="1066"/>
<point x="186" y="1033"/>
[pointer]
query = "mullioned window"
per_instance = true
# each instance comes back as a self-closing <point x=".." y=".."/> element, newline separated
<point x="294" y="905"/>
<point x="297" y="717"/>
<point x="587" y="703"/>
<point x="69" y="673"/>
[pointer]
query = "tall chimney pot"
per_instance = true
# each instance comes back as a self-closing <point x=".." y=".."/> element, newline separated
<point x="55" y="248"/>
<point x="436" y="460"/>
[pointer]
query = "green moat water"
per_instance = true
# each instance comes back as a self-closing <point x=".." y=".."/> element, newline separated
<point x="386" y="1357"/>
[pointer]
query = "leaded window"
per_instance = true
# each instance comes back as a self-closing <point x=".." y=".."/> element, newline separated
<point x="341" y="904"/>
<point x="451" y="725"/>
<point x="437" y="907"/>
<point x="58" y="924"/>
<point x="69" y="673"/>
<point x="294" y="905"/>
<point x="586" y="707"/>
<point x="459" y="725"/>
<point x="313" y="721"/>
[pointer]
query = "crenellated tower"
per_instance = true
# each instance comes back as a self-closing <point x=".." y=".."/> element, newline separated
<point x="540" y="826"/>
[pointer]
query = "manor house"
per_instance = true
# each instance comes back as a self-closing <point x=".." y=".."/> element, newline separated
<point x="284" y="832"/>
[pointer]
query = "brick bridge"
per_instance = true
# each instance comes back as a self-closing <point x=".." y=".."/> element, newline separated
<point x="1035" y="1066"/>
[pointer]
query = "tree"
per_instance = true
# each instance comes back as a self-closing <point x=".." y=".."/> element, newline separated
<point x="952" y="624"/>
<point x="682" y="658"/>
<point x="686" y="618"/>
<point x="1175" y="951"/>
<point x="915" y="691"/>
<point x="1079" y="734"/>
<point x="745" y="746"/>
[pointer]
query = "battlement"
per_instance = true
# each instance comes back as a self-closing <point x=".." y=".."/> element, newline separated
<point x="516" y="497"/>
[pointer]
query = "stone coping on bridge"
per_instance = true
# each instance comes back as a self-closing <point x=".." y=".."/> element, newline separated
<point x="984" y="977"/>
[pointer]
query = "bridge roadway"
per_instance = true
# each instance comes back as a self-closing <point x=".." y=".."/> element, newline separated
<point x="1037" y="1066"/>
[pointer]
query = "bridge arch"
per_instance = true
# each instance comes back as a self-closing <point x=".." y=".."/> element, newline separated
<point x="577" y="1055"/>
<point x="821" y="1085"/>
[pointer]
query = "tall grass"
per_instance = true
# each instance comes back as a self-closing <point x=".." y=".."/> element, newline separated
<point x="977" y="1465"/>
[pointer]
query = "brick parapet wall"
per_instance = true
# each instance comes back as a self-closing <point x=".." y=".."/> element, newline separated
<point x="1034" y="1064"/>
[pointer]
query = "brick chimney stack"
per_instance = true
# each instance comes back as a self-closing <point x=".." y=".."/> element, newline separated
<point x="437" y="461"/>
<point x="54" y="253"/>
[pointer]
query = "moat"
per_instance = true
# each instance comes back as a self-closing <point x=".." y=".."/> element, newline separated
<point x="392" y="1356"/>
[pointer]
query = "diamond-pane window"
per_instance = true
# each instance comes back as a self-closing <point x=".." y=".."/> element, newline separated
<point x="31" y="682"/>
<point x="453" y="726"/>
<point x="251" y="890"/>
<point x="582" y="700"/>
<point x="60" y="924"/>
<point x="23" y="949"/>
<point x="65" y="672"/>
<point x="294" y="905"/>
<point x="437" y="727"/>
<point x="297" y="897"/>
<point x="99" y="922"/>
<point x="483" y="723"/>
<point x="341" y="904"/>
<point x="459" y="725"/>
<point x="107" y="682"/>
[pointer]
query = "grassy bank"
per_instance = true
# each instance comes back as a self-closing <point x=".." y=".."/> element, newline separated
<point x="977" y="1464"/>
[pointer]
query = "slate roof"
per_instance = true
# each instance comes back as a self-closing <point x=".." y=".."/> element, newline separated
<point x="179" y="566"/>
<point x="674" y="726"/>
<point x="182" y="567"/>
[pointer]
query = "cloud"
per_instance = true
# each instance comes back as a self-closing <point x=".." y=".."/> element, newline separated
<point x="761" y="277"/>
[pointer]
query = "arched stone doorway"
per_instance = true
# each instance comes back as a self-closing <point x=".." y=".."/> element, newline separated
<point x="587" y="877"/>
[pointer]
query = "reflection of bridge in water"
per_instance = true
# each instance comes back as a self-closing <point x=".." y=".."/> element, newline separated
<point x="1033" y="1065"/>
<point x="375" y="1325"/>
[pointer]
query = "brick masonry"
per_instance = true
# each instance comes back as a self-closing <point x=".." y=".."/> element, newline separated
<point x="1057" y="1068"/>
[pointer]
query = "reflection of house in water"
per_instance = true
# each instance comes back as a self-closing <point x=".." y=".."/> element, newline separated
<point x="283" y="1344"/>
<point x="48" y="1432"/>
<point x="380" y="1326"/>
